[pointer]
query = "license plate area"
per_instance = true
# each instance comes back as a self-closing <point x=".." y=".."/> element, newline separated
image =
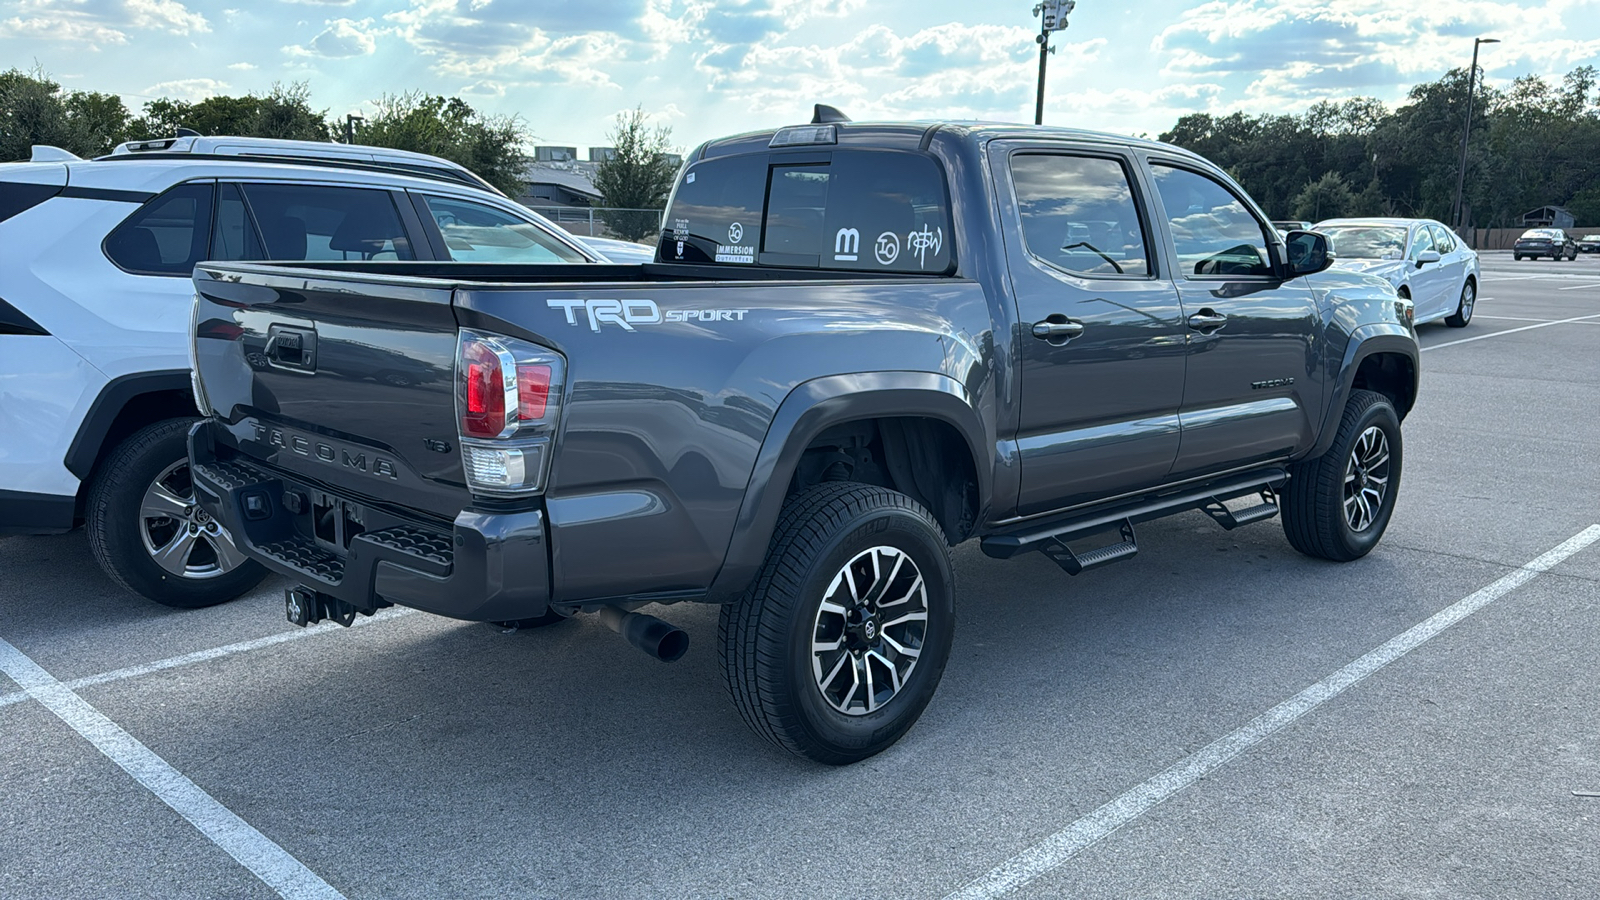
<point x="334" y="521"/>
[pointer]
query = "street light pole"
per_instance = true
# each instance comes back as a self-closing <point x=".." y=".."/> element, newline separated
<point x="1461" y="176"/>
<point x="1052" y="17"/>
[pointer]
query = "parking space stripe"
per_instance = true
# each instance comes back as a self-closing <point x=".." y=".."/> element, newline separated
<point x="200" y="656"/>
<point x="252" y="849"/>
<point x="1579" y="287"/>
<point x="1485" y="337"/>
<point x="1062" y="846"/>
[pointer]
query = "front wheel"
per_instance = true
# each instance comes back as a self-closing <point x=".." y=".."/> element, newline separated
<point x="1463" y="313"/>
<point x="148" y="533"/>
<point x="1337" y="505"/>
<point x="838" y="645"/>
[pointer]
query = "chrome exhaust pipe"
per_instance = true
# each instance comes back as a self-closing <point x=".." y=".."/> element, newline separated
<point x="659" y="639"/>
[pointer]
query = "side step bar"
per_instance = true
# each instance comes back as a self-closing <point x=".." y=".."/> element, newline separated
<point x="1050" y="537"/>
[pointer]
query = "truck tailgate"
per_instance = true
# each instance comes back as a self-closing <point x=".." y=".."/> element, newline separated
<point x="301" y="372"/>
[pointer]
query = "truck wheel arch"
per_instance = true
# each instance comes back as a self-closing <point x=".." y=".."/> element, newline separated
<point x="1382" y="359"/>
<point x="813" y="408"/>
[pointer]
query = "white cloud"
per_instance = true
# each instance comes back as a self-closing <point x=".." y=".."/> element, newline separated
<point x="62" y="29"/>
<point x="190" y="89"/>
<point x="242" y="66"/>
<point x="341" y="39"/>
<point x="165" y="15"/>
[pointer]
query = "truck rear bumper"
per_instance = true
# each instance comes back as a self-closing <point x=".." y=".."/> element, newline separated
<point x="486" y="567"/>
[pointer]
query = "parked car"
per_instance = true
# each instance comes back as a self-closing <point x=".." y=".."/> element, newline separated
<point x="95" y="395"/>
<point x="1552" y="242"/>
<point x="829" y="379"/>
<point x="1288" y="225"/>
<point x="1424" y="261"/>
<point x="618" y="251"/>
<point x="1589" y="243"/>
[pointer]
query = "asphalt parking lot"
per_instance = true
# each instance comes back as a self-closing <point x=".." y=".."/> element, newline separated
<point x="1218" y="717"/>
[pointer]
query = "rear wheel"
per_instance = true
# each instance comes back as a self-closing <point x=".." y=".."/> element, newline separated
<point x="1337" y="505"/>
<point x="148" y="533"/>
<point x="1463" y="313"/>
<point x="838" y="645"/>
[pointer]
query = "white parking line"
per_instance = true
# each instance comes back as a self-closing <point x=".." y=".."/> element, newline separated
<point x="200" y="656"/>
<point x="1485" y="337"/>
<point x="1062" y="846"/>
<point x="1579" y="287"/>
<point x="253" y="850"/>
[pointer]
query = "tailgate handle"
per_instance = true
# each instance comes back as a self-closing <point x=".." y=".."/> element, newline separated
<point x="292" y="348"/>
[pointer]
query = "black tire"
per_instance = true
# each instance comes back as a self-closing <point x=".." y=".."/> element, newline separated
<point x="1517" y="257"/>
<point x="767" y="637"/>
<point x="1315" y="516"/>
<point x="123" y="537"/>
<point x="1464" y="306"/>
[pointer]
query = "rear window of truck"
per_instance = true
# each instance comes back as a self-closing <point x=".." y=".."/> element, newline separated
<point x="852" y="210"/>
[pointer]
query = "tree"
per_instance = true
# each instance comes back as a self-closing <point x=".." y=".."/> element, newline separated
<point x="638" y="176"/>
<point x="35" y="110"/>
<point x="285" y="112"/>
<point x="1326" y="198"/>
<point x="447" y="127"/>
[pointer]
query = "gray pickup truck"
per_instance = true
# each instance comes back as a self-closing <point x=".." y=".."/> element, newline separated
<point x="858" y="345"/>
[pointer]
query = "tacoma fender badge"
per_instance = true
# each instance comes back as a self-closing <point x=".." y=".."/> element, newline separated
<point x="1271" y="383"/>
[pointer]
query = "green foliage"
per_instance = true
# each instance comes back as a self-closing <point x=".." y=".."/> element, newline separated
<point x="491" y="146"/>
<point x="1326" y="198"/>
<point x="1532" y="144"/>
<point x="638" y="177"/>
<point x="285" y="112"/>
<point x="35" y="110"/>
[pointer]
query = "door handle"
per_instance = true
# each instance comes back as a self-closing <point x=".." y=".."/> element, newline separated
<point x="1057" y="332"/>
<point x="1206" y="320"/>
<point x="292" y="348"/>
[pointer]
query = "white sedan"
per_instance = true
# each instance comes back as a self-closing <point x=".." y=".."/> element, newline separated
<point x="1420" y="257"/>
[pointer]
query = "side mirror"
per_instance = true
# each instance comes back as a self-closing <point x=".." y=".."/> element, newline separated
<point x="1309" y="253"/>
<point x="1427" y="256"/>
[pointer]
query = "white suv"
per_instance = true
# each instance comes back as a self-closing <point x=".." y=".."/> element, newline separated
<point x="95" y="300"/>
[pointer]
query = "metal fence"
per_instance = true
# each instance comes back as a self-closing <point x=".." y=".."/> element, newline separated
<point x="587" y="220"/>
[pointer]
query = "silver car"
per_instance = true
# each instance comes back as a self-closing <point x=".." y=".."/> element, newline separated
<point x="1420" y="257"/>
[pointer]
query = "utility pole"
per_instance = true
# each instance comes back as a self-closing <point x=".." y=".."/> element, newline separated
<point x="1461" y="177"/>
<point x="1053" y="17"/>
<point x="350" y="127"/>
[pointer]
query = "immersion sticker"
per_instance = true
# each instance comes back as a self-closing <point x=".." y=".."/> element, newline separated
<point x="733" y="251"/>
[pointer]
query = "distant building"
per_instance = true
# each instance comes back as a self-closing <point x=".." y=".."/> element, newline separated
<point x="559" y="184"/>
<point x="602" y="154"/>
<point x="1548" y="217"/>
<point x="555" y="154"/>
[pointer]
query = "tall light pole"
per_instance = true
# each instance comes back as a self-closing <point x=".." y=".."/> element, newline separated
<point x="1461" y="176"/>
<point x="1053" y="18"/>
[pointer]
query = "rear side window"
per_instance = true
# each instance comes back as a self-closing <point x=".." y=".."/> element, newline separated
<point x="474" y="232"/>
<point x="1078" y="213"/>
<point x="167" y="235"/>
<point x="858" y="210"/>
<point x="234" y="236"/>
<point x="315" y="222"/>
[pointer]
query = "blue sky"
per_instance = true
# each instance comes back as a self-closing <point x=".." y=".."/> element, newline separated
<point x="712" y="68"/>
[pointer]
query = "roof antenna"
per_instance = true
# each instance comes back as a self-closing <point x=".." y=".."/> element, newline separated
<point x="188" y="132"/>
<point x="824" y="114"/>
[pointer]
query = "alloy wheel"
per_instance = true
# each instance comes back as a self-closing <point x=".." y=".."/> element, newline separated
<point x="1366" y="479"/>
<point x="869" y="631"/>
<point x="180" y="536"/>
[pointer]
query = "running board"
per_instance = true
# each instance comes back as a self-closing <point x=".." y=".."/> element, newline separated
<point x="1051" y="536"/>
<point x="1074" y="563"/>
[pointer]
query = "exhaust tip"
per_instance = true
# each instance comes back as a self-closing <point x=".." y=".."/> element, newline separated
<point x="662" y="640"/>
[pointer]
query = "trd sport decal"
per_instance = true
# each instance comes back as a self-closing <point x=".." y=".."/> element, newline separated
<point x="628" y="313"/>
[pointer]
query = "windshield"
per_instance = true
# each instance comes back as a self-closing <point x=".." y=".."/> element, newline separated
<point x="1546" y="233"/>
<point x="1366" y="241"/>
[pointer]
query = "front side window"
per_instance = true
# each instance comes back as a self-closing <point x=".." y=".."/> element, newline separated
<point x="475" y="232"/>
<point x="326" y="223"/>
<point x="1443" y="239"/>
<point x="1078" y="213"/>
<point x="167" y="235"/>
<point x="1212" y="230"/>
<point x="234" y="236"/>
<point x="1420" y="241"/>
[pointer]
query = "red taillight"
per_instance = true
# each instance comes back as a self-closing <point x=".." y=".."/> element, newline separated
<point x="533" y="391"/>
<point x="485" y="412"/>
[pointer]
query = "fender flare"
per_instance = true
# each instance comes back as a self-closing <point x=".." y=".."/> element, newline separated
<point x="809" y="409"/>
<point x="1368" y="340"/>
<point x="88" y="443"/>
